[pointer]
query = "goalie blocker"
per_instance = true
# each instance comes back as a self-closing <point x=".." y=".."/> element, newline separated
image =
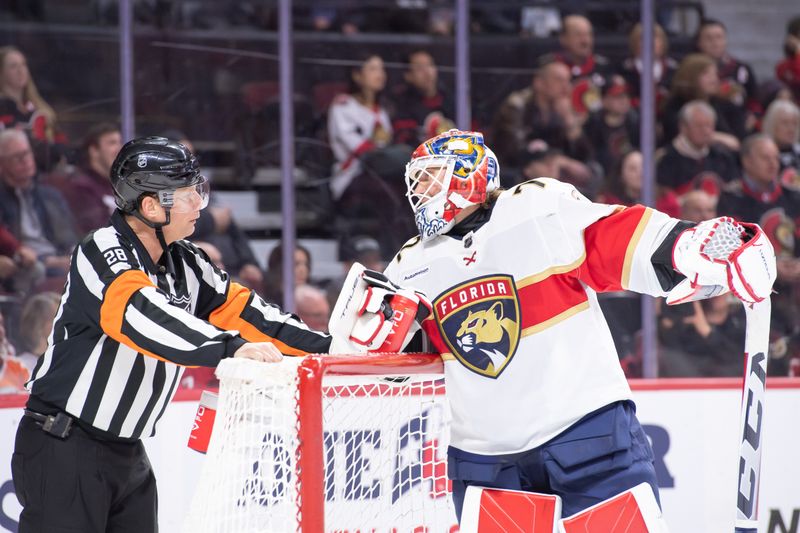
<point x="372" y="314"/>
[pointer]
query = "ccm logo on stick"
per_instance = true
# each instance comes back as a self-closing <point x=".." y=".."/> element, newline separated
<point x="749" y="459"/>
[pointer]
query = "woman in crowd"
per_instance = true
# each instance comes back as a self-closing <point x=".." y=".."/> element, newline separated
<point x="21" y="105"/>
<point x="697" y="78"/>
<point x="664" y="67"/>
<point x="365" y="185"/>
<point x="357" y="122"/>
<point x="273" y="278"/>
<point x="624" y="186"/>
<point x="788" y="69"/>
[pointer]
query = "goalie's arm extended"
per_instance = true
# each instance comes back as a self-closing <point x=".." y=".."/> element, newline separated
<point x="646" y="251"/>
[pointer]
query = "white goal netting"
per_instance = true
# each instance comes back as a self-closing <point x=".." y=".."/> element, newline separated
<point x="374" y="461"/>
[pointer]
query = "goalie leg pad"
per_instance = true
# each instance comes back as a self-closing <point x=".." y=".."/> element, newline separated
<point x="488" y="510"/>
<point x="633" y="511"/>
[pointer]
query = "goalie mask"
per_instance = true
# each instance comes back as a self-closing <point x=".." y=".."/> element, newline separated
<point x="446" y="174"/>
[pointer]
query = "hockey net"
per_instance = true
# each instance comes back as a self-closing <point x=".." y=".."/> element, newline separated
<point x="327" y="444"/>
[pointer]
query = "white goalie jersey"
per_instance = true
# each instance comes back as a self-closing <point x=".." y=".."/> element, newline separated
<point x="527" y="350"/>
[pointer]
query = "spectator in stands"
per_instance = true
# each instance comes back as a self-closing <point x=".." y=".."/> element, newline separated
<point x="367" y="193"/>
<point x="737" y="81"/>
<point x="772" y="90"/>
<point x="361" y="249"/>
<point x="782" y="124"/>
<point x="13" y="373"/>
<point x="217" y="227"/>
<point x="761" y="197"/>
<point x="543" y="111"/>
<point x="37" y="215"/>
<point x="358" y="122"/>
<point x="788" y="70"/>
<point x="88" y="189"/>
<point x="697" y="79"/>
<point x="422" y="108"/>
<point x="35" y="324"/>
<point x="20" y="269"/>
<point x="623" y="186"/>
<point x="693" y="160"/>
<point x="664" y="67"/>
<point x="613" y="129"/>
<point x="20" y="102"/>
<point x="536" y="160"/>
<point x="702" y="338"/>
<point x="698" y="206"/>
<point x="759" y="190"/>
<point x="586" y="68"/>
<point x="312" y="307"/>
<point x="273" y="278"/>
<point x="354" y="249"/>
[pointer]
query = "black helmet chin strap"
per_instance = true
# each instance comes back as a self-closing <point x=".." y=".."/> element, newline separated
<point x="159" y="227"/>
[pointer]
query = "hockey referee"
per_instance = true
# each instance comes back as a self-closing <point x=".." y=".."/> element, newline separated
<point x="140" y="303"/>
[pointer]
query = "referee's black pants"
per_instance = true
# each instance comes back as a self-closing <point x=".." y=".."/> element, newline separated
<point x="81" y="484"/>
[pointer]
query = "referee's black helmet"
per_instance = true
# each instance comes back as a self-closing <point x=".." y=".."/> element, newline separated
<point x="148" y="165"/>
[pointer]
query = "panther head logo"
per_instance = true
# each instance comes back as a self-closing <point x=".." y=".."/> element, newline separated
<point x="488" y="332"/>
<point x="479" y="321"/>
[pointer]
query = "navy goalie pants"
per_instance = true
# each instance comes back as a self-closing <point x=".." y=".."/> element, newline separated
<point x="603" y="454"/>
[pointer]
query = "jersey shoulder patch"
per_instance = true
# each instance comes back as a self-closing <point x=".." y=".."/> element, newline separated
<point x="546" y="189"/>
<point x="539" y="196"/>
<point x="536" y="182"/>
<point x="410" y="243"/>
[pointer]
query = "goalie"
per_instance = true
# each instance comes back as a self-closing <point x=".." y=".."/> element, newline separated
<point x="539" y="401"/>
<point x="140" y="303"/>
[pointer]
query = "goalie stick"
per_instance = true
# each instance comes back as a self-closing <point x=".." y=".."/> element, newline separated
<point x="723" y="248"/>
<point x="756" y="348"/>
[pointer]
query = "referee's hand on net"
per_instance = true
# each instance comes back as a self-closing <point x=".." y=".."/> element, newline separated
<point x="260" y="351"/>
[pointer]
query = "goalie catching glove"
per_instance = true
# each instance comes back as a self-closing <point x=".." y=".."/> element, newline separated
<point x="719" y="255"/>
<point x="374" y="314"/>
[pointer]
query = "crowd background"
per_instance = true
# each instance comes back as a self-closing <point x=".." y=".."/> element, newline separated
<point x="554" y="88"/>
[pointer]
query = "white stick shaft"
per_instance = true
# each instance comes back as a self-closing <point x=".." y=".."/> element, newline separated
<point x="751" y="418"/>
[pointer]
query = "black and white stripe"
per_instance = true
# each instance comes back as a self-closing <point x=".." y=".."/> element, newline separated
<point x="100" y="377"/>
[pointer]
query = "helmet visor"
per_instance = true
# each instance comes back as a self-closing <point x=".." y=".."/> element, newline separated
<point x="428" y="177"/>
<point x="187" y="199"/>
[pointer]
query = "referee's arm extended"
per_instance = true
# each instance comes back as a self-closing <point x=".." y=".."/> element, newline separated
<point x="137" y="313"/>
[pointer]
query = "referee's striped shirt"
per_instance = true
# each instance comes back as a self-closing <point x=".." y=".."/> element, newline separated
<point x="126" y="327"/>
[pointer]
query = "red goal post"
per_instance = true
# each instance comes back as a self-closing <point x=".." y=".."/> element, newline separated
<point x="327" y="443"/>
